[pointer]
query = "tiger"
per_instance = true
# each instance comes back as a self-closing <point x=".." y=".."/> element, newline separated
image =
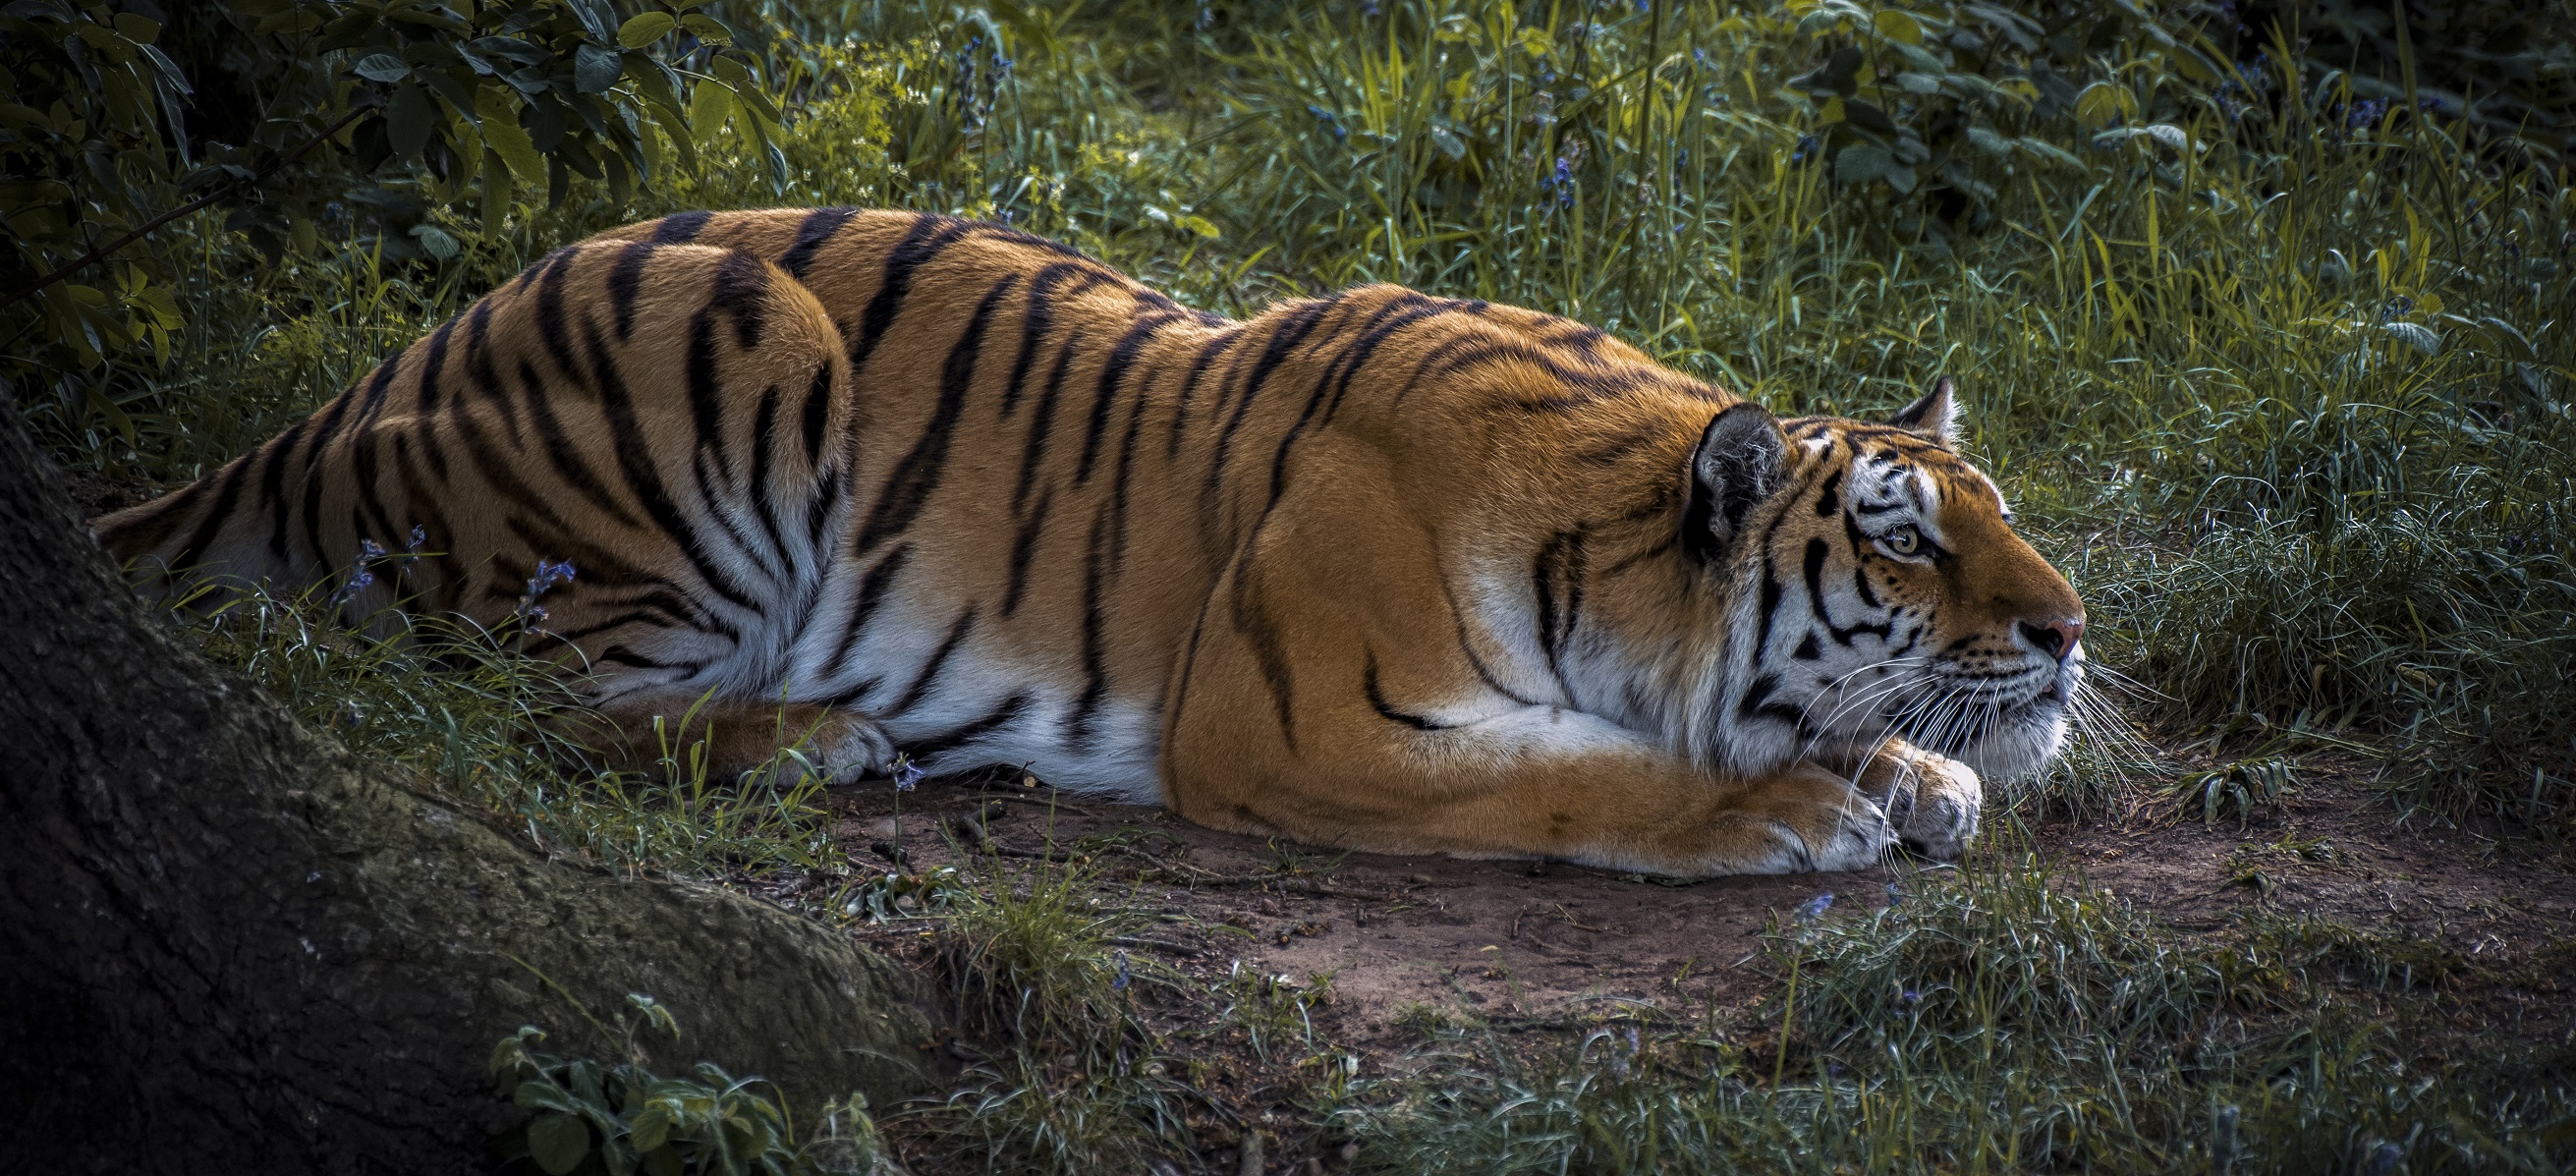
<point x="1379" y="570"/>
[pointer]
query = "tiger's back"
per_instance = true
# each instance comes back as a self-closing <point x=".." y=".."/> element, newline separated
<point x="951" y="489"/>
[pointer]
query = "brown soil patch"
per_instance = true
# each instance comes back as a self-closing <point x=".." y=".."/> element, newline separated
<point x="1406" y="941"/>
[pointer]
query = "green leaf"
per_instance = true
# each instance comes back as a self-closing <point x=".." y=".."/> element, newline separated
<point x="1986" y="140"/>
<point x="381" y="67"/>
<point x="1448" y="143"/>
<point x="707" y="28"/>
<point x="409" y="118"/>
<point x="503" y="134"/>
<point x="1862" y="162"/>
<point x="558" y="1142"/>
<point x="1898" y="25"/>
<point x="595" y="69"/>
<point x="2101" y="102"/>
<point x="1868" y="117"/>
<point x="645" y="28"/>
<point x="651" y="1129"/>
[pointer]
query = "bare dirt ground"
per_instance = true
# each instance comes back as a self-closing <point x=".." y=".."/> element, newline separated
<point x="1404" y="942"/>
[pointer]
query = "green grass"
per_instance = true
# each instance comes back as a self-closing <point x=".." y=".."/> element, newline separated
<point x="2003" y="1019"/>
<point x="457" y="710"/>
<point x="2289" y="402"/>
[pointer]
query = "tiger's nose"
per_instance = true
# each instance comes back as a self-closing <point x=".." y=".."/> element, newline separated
<point x="2057" y="638"/>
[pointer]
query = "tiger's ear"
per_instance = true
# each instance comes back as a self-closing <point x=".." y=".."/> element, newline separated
<point x="1936" y="416"/>
<point x="1742" y="458"/>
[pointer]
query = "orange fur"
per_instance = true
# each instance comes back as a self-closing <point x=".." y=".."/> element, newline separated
<point x="1380" y="570"/>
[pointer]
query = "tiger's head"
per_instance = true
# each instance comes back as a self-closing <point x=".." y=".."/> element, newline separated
<point x="1873" y="586"/>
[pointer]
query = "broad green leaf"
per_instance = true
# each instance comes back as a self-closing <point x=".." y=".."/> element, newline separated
<point x="1448" y="143"/>
<point x="651" y="1129"/>
<point x="503" y="134"/>
<point x="645" y="28"/>
<point x="1986" y="140"/>
<point x="2417" y="335"/>
<point x="409" y="118"/>
<point x="710" y="105"/>
<point x="1898" y="25"/>
<point x="558" y="1142"/>
<point x="381" y="67"/>
<point x="2102" y="102"/>
<point x="595" y="69"/>
<point x="1868" y="117"/>
<point x="1917" y="83"/>
<point x="707" y="28"/>
<point x="1862" y="162"/>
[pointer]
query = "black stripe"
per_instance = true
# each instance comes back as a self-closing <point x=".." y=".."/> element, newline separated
<point x="566" y="457"/>
<point x="1042" y="421"/>
<point x="1291" y="330"/>
<point x="818" y="406"/>
<point x="908" y="489"/>
<point x="1024" y="551"/>
<point x="1217" y="345"/>
<point x="924" y="750"/>
<point x="811" y="235"/>
<point x="764" y="496"/>
<point x="921" y="683"/>
<point x="872" y="592"/>
<point x="1113" y="373"/>
<point x="625" y="281"/>
<point x="1829" y="503"/>
<point x="550" y="312"/>
<point x="1807" y="649"/>
<point x="635" y="461"/>
<point x="479" y="369"/>
<point x="1038" y="321"/>
<point x="680" y="228"/>
<point x="272" y="487"/>
<point x="1556" y="581"/>
<point x="818" y="509"/>
<point x="1095" y="667"/>
<point x="923" y="243"/>
<point x="740" y="289"/>
<point x="1817" y="550"/>
<point x="1118" y="481"/>
<point x="1393" y="316"/>
<point x="1771" y="596"/>
<point x="1377" y="701"/>
<point x="228" y="486"/>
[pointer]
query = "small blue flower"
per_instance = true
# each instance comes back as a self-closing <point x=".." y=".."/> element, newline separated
<point x="1806" y="149"/>
<point x="1814" y="908"/>
<point x="1118" y="983"/>
<point x="2382" y="1159"/>
<point x="1908" y="997"/>
<point x="1895" y="894"/>
<point x="907" y="775"/>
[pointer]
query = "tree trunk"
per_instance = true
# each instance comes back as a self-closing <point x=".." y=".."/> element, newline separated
<point x="225" y="945"/>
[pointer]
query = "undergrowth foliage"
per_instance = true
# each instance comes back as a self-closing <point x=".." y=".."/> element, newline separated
<point x="2272" y="356"/>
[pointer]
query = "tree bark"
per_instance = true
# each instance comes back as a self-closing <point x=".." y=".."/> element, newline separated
<point x="226" y="945"/>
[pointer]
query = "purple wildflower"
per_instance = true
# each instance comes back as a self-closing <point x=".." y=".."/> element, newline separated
<point x="907" y="775"/>
<point x="1815" y="908"/>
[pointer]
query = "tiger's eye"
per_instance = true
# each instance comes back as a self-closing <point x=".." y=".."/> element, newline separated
<point x="1902" y="540"/>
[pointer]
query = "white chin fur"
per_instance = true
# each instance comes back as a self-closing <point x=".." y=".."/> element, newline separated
<point x="2019" y="750"/>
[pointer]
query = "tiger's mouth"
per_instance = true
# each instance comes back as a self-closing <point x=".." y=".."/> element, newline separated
<point x="2001" y="732"/>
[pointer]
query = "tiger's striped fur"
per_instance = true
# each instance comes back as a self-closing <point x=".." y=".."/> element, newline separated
<point x="1380" y="570"/>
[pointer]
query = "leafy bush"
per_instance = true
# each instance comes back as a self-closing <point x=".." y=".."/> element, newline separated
<point x="619" y="1118"/>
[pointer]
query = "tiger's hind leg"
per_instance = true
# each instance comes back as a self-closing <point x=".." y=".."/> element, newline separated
<point x="644" y="732"/>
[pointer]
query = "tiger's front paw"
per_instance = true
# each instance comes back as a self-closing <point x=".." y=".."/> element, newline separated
<point x="1932" y="800"/>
